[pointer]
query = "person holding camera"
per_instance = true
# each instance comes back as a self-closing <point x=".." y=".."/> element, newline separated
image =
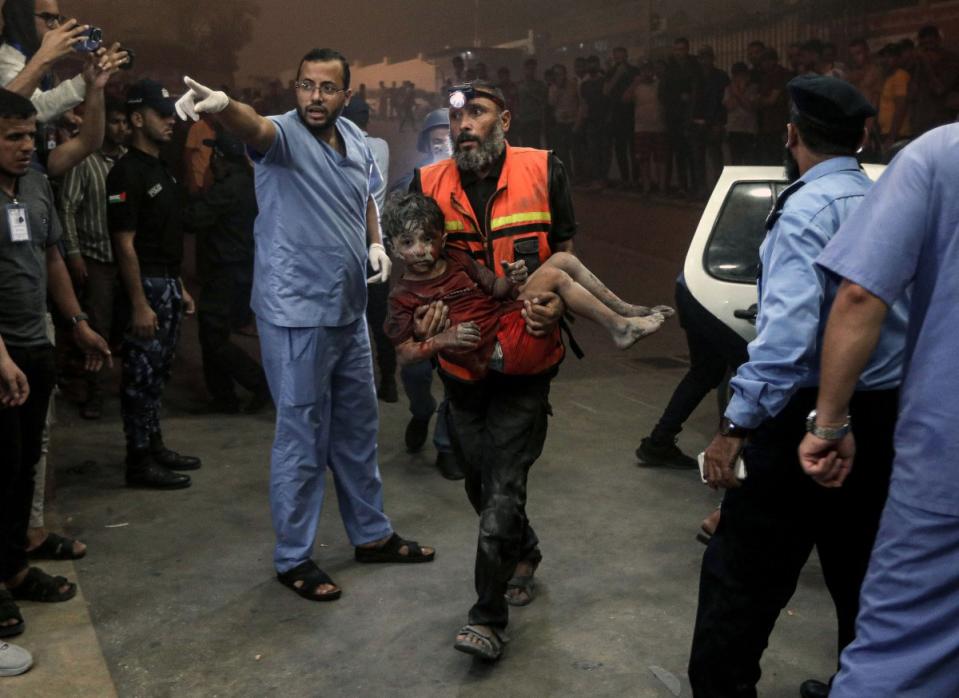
<point x="35" y="37"/>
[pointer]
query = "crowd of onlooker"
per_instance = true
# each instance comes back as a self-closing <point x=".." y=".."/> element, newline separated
<point x="670" y="124"/>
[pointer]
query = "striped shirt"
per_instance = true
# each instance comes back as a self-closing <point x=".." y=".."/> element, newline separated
<point x="83" y="208"/>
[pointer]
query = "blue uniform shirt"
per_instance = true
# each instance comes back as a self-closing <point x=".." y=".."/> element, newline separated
<point x="795" y="296"/>
<point x="311" y="247"/>
<point x="905" y="234"/>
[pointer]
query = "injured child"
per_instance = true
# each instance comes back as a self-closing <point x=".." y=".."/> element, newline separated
<point x="485" y="326"/>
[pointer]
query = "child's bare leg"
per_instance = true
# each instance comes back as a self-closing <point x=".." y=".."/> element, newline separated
<point x="588" y="280"/>
<point x="625" y="331"/>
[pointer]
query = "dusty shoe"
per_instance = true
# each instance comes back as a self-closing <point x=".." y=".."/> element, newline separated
<point x="14" y="660"/>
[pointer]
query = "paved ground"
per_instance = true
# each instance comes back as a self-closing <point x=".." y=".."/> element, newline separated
<point x="180" y="592"/>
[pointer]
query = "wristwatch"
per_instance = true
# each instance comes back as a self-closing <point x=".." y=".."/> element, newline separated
<point x="728" y="428"/>
<point x="79" y="317"/>
<point x="827" y="433"/>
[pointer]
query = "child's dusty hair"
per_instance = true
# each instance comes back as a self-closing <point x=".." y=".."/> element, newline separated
<point x="406" y="212"/>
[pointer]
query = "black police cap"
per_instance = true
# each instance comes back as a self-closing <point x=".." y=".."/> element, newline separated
<point x="829" y="102"/>
<point x="150" y="93"/>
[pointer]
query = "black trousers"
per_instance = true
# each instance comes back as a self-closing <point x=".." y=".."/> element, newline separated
<point x="768" y="529"/>
<point x="21" y="430"/>
<point x="714" y="349"/>
<point x="224" y="363"/>
<point x="377" y="306"/>
<point x="499" y="428"/>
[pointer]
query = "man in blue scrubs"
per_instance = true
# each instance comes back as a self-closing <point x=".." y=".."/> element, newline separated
<point x="904" y="234"/>
<point x="772" y="520"/>
<point x="315" y="178"/>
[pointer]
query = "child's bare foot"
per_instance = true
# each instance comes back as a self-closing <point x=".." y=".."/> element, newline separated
<point x="643" y="311"/>
<point x="635" y="328"/>
<point x="664" y="310"/>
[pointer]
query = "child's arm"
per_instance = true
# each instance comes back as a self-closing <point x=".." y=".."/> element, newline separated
<point x="462" y="337"/>
<point x="507" y="287"/>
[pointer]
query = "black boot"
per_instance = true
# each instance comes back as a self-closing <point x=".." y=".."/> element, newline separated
<point x="144" y="471"/>
<point x="171" y="459"/>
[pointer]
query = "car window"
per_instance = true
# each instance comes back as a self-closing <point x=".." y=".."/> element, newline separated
<point x="732" y="253"/>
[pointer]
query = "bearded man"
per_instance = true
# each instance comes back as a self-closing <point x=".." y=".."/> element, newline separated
<point x="315" y="178"/>
<point x="500" y="204"/>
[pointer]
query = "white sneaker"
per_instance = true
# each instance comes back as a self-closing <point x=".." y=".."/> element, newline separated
<point x="14" y="660"/>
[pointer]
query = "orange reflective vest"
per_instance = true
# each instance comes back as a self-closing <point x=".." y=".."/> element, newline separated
<point x="514" y="226"/>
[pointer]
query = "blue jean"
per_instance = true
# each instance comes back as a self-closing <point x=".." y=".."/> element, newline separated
<point x="321" y="379"/>
<point x="417" y="381"/>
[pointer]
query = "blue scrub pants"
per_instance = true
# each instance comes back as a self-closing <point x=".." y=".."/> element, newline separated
<point x="321" y="379"/>
<point x="907" y="634"/>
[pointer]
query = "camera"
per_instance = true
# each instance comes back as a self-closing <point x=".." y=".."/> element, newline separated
<point x="92" y="40"/>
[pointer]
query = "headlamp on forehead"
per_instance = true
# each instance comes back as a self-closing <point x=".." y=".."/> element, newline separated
<point x="461" y="94"/>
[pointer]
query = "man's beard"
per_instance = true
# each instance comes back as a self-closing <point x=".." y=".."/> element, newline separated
<point x="483" y="156"/>
<point x="331" y="117"/>
<point x="792" y="167"/>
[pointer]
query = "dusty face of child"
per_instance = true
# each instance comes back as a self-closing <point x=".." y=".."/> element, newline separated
<point x="419" y="249"/>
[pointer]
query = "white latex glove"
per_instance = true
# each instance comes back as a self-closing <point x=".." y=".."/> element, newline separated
<point x="379" y="262"/>
<point x="200" y="100"/>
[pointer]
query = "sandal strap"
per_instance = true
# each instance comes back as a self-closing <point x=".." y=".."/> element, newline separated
<point x="38" y="585"/>
<point x="308" y="573"/>
<point x="396" y="543"/>
<point x="494" y="641"/>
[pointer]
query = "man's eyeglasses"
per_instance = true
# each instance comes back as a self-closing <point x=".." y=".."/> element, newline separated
<point x="328" y="89"/>
<point x="51" y="20"/>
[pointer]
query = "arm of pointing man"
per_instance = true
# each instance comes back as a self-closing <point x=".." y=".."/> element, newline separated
<point x="239" y="119"/>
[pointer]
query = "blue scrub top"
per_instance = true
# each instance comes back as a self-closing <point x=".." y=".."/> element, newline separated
<point x="905" y="234"/>
<point x="795" y="296"/>
<point x="311" y="240"/>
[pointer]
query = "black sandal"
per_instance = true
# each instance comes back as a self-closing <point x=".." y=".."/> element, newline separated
<point x="55" y="547"/>
<point x="390" y="552"/>
<point x="312" y="577"/>
<point x="9" y="611"/>
<point x="41" y="587"/>
<point x="488" y="647"/>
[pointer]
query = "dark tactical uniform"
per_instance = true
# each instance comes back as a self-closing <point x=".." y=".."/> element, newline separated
<point x="144" y="198"/>
<point x="223" y="220"/>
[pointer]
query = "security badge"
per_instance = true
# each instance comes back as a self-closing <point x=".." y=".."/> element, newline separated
<point x="17" y="222"/>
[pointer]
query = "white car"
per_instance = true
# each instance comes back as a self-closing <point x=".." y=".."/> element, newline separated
<point x="722" y="262"/>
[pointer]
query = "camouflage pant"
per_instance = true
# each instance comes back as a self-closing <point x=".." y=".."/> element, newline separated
<point x="147" y="362"/>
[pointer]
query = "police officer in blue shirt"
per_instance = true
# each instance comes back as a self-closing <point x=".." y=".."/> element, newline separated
<point x="774" y="517"/>
<point x="315" y="178"/>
